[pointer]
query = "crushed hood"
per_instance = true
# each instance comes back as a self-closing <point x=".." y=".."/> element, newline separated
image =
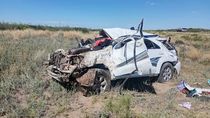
<point x="114" y="33"/>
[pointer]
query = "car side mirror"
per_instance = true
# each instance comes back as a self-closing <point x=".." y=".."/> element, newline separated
<point x="132" y="28"/>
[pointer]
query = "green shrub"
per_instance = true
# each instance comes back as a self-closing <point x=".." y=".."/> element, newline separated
<point x="119" y="107"/>
<point x="15" y="26"/>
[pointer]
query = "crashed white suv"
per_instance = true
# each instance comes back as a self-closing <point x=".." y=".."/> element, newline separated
<point x="135" y="56"/>
<point x="131" y="55"/>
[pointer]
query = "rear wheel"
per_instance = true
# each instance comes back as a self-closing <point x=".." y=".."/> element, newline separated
<point x="166" y="73"/>
<point x="102" y="81"/>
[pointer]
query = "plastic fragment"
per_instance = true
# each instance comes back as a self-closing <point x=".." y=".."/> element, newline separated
<point x="186" y="105"/>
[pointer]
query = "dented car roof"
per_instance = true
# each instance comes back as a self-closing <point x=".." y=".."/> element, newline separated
<point x="114" y="33"/>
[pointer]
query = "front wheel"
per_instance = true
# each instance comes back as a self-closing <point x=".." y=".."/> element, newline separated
<point x="102" y="81"/>
<point x="166" y="73"/>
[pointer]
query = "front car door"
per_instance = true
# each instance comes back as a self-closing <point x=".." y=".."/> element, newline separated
<point x="122" y="58"/>
<point x="130" y="58"/>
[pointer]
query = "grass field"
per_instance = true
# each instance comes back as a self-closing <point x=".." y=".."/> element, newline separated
<point x="26" y="90"/>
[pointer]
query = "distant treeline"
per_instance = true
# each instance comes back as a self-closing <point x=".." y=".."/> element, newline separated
<point x="20" y="26"/>
<point x="16" y="26"/>
<point x="187" y="30"/>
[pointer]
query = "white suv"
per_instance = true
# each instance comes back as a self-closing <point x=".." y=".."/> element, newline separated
<point x="130" y="56"/>
<point x="135" y="56"/>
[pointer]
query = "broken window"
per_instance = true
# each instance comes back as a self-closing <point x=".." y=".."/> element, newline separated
<point x="150" y="45"/>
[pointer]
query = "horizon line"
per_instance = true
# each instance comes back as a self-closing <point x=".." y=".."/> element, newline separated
<point x="60" y="25"/>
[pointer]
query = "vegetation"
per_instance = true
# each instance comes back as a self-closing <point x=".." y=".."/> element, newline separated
<point x="25" y="87"/>
<point x="15" y="26"/>
<point x="119" y="107"/>
<point x="188" y="30"/>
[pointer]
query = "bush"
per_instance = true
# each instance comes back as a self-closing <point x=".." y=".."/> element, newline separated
<point x="119" y="107"/>
<point x="205" y="60"/>
<point x="193" y="53"/>
<point x="15" y="26"/>
<point x="179" y="42"/>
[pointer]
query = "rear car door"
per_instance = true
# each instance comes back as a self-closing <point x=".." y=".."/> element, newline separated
<point x="155" y="54"/>
<point x="142" y="58"/>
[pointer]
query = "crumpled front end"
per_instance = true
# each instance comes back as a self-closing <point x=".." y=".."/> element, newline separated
<point x="64" y="67"/>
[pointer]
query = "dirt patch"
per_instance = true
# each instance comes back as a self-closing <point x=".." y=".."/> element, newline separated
<point x="21" y="98"/>
<point x="162" y="88"/>
<point x="82" y="106"/>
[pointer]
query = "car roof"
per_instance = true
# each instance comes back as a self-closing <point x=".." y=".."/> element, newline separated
<point x="115" y="33"/>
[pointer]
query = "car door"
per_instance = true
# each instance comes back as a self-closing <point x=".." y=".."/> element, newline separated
<point x="142" y="58"/>
<point x="155" y="54"/>
<point x="131" y="57"/>
<point x="123" y="57"/>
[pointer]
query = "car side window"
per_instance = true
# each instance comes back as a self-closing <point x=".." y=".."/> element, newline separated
<point x="121" y="44"/>
<point x="150" y="45"/>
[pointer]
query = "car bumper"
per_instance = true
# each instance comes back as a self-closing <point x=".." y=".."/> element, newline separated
<point x="178" y="67"/>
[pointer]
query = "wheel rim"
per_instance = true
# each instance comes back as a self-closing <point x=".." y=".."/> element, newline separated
<point x="103" y="83"/>
<point x="167" y="73"/>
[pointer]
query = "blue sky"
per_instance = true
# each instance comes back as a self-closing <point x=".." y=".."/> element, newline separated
<point x="157" y="14"/>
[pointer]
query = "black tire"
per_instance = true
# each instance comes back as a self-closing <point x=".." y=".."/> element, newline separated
<point x="102" y="81"/>
<point x="166" y="73"/>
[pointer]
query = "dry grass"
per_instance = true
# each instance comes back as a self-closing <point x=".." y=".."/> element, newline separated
<point x="30" y="33"/>
<point x="193" y="53"/>
<point x="205" y="59"/>
<point x="23" y="81"/>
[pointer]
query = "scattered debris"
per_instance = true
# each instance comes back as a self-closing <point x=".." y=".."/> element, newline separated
<point x="191" y="91"/>
<point x="186" y="105"/>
